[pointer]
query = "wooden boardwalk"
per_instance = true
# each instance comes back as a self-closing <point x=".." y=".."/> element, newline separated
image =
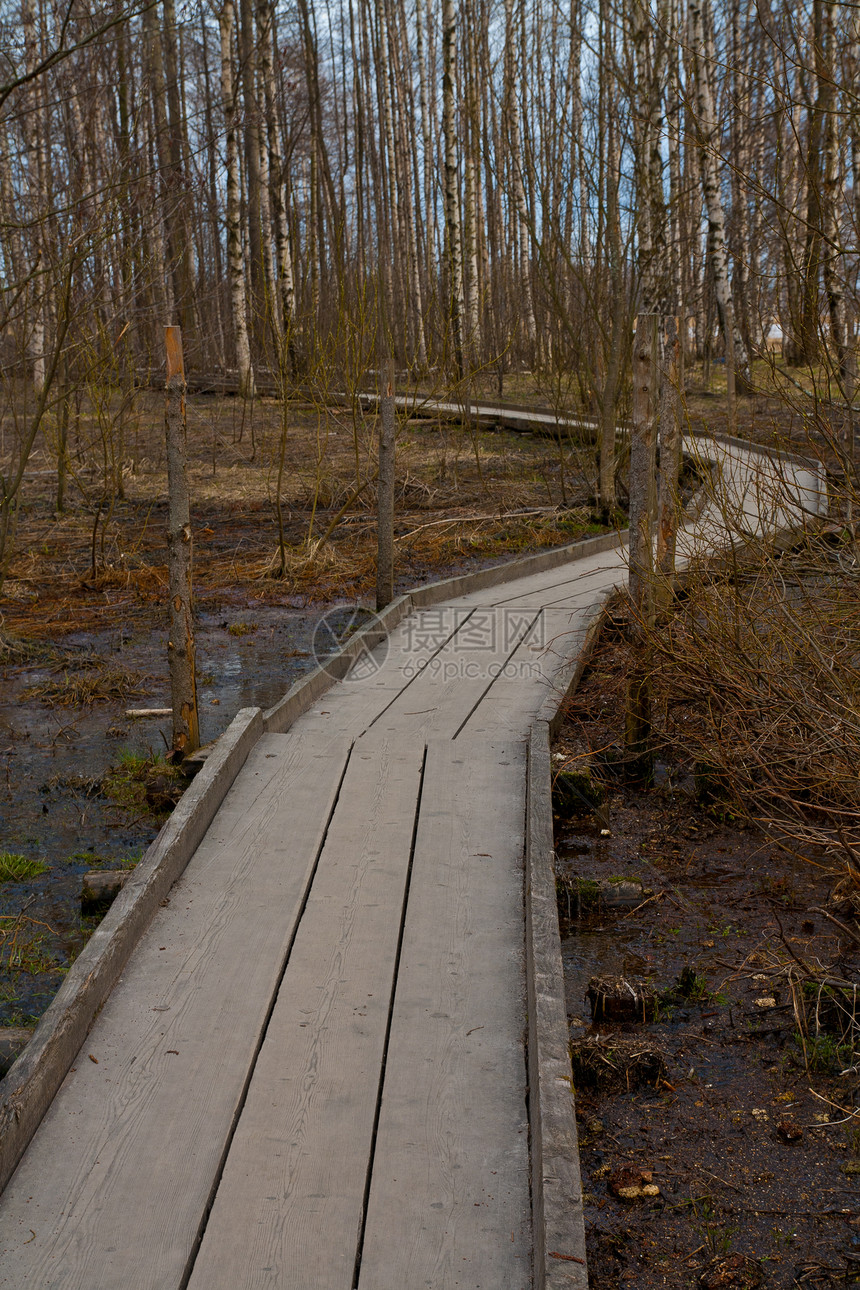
<point x="313" y="1073"/>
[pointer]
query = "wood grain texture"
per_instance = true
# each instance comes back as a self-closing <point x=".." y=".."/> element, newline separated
<point x="552" y="583"/>
<point x="534" y="673"/>
<point x="459" y="675"/>
<point x="289" y="1206"/>
<point x="304" y="693"/>
<point x="116" y="1182"/>
<point x="467" y="584"/>
<point x="449" y="1198"/>
<point x="365" y="694"/>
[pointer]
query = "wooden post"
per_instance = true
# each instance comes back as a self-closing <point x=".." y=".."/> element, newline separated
<point x="643" y="445"/>
<point x="385" y="492"/>
<point x="180" y="645"/>
<point x="670" y="457"/>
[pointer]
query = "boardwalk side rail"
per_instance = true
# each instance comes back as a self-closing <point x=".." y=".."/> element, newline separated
<point x="556" y="1183"/>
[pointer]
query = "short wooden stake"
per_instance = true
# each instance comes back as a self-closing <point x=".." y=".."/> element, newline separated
<point x="643" y="449"/>
<point x="180" y="644"/>
<point x="385" y="493"/>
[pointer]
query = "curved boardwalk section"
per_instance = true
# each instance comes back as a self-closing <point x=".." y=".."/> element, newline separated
<point x="313" y="1073"/>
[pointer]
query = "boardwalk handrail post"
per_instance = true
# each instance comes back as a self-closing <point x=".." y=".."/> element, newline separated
<point x="670" y="457"/>
<point x="643" y="452"/>
<point x="385" y="491"/>
<point x="180" y="644"/>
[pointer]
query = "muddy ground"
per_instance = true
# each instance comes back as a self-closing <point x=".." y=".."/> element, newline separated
<point x="719" y="1139"/>
<point x="83" y="617"/>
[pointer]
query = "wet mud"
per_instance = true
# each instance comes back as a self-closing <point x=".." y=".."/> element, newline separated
<point x="716" y="1077"/>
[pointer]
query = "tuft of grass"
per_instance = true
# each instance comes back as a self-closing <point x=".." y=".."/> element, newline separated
<point x="242" y="629"/>
<point x="16" y="868"/>
<point x="82" y="688"/>
<point x="823" y="1054"/>
<point x="144" y="785"/>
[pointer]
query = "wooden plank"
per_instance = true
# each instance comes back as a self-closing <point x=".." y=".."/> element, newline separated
<point x="364" y="697"/>
<point x="457" y="678"/>
<point x="116" y="1182"/>
<point x="535" y="671"/>
<point x="575" y="595"/>
<point x="305" y="692"/>
<point x="289" y="1207"/>
<point x="449" y="1196"/>
<point x="465" y="585"/>
<point x="556" y="1180"/>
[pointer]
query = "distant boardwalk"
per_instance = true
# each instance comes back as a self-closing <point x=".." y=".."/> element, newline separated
<point x="312" y="1074"/>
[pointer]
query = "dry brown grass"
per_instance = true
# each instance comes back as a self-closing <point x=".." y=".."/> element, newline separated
<point x="71" y="570"/>
<point x="95" y="683"/>
<point x="757" y="680"/>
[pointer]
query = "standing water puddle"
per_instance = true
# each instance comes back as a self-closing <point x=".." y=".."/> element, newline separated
<point x="54" y="755"/>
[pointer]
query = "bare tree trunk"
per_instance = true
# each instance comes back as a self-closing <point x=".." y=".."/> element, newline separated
<point x="385" y="493"/>
<point x="708" y="136"/>
<point x="283" y="254"/>
<point x="452" y="184"/>
<point x="606" y="488"/>
<point x="251" y="152"/>
<point x="180" y="644"/>
<point x="641" y="552"/>
<point x="516" y="162"/>
<point x="34" y="132"/>
<point x="177" y="188"/>
<point x="670" y="458"/>
<point x="235" y="255"/>
<point x="810" y="339"/>
<point x="832" y="194"/>
<point x="471" y="200"/>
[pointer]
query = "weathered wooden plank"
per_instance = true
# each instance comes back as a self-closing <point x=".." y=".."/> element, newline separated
<point x="536" y="671"/>
<point x="369" y="690"/>
<point x="449" y="1196"/>
<point x="559" y="1235"/>
<point x="460" y="675"/>
<point x="116" y="1182"/>
<point x="289" y="1206"/>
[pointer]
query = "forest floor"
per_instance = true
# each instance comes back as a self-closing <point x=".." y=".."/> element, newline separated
<point x="715" y="1090"/>
<point x="83" y="614"/>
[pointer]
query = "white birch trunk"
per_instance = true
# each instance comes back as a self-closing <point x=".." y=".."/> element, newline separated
<point x="235" y="254"/>
<point x="515" y="145"/>
<point x="452" y="182"/>
<point x="283" y="254"/>
<point x="709" y="144"/>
